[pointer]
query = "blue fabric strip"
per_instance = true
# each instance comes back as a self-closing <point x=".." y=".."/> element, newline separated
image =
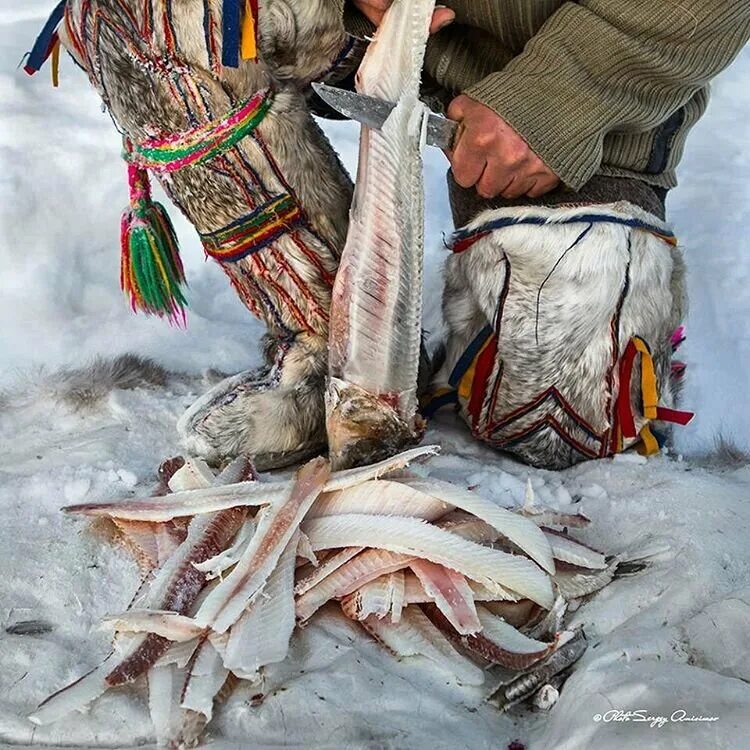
<point x="230" y="33"/>
<point x="43" y="45"/>
<point x="464" y="363"/>
<point x="509" y="221"/>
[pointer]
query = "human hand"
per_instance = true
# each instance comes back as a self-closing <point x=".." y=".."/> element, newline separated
<point x="374" y="10"/>
<point x="491" y="155"/>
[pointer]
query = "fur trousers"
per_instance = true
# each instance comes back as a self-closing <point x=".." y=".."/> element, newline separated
<point x="560" y="328"/>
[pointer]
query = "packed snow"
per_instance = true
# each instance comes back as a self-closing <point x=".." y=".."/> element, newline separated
<point x="668" y="640"/>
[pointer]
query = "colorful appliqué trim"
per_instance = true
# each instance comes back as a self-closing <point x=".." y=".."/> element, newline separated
<point x="255" y="231"/>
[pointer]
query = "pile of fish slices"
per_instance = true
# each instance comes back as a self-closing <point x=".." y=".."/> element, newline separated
<point x="232" y="565"/>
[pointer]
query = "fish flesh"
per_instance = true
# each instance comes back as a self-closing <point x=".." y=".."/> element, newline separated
<point x="426" y="568"/>
<point x="275" y="526"/>
<point x="376" y="308"/>
<point x="411" y="536"/>
<point x="240" y="493"/>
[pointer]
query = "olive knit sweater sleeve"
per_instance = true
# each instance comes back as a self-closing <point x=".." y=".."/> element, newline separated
<point x="601" y="66"/>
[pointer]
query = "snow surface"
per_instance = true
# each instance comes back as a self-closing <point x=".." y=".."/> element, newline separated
<point x="672" y="638"/>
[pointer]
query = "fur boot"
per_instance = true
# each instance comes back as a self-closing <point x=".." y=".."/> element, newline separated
<point x="551" y="313"/>
<point x="272" y="209"/>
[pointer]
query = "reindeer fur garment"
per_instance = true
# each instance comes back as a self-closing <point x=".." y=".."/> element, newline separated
<point x="563" y="305"/>
<point x="158" y="70"/>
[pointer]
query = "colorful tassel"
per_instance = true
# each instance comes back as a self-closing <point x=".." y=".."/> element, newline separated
<point x="151" y="271"/>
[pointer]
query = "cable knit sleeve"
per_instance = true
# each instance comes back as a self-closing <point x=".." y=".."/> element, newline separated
<point x="601" y="66"/>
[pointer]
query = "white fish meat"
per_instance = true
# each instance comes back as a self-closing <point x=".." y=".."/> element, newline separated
<point x="398" y="595"/>
<point x="240" y="494"/>
<point x="350" y="576"/>
<point x="376" y="311"/>
<point x="522" y="532"/>
<point x="380" y="497"/>
<point x="572" y="552"/>
<point x="215" y="566"/>
<point x="207" y="674"/>
<point x="414" y="537"/>
<point x="415" y="635"/>
<point x="328" y="566"/>
<point x="451" y="593"/>
<point x="177" y="628"/>
<point x="261" y="636"/>
<point x="276" y="525"/>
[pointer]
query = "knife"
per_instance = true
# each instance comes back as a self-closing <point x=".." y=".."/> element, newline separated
<point x="373" y="112"/>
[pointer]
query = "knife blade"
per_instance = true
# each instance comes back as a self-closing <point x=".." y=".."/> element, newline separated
<point x="373" y="112"/>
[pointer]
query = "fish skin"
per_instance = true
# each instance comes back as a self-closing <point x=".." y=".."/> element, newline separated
<point x="376" y="309"/>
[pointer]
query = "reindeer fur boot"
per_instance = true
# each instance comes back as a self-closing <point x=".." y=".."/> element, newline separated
<point x="235" y="148"/>
<point x="561" y="323"/>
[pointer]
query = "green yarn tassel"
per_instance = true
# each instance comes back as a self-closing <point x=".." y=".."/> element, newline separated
<point x="151" y="274"/>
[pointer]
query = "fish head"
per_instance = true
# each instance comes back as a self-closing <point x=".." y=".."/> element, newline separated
<point x="364" y="427"/>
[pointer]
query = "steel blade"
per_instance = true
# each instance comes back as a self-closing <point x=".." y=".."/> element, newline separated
<point x="373" y="112"/>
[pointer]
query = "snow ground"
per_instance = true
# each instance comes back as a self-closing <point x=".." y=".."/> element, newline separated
<point x="672" y="638"/>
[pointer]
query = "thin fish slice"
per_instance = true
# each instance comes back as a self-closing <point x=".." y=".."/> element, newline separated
<point x="176" y="628"/>
<point x="451" y="594"/>
<point x="575" y="553"/>
<point x="398" y="597"/>
<point x="305" y="552"/>
<point x="206" y="677"/>
<point x="359" y="571"/>
<point x="498" y="642"/>
<point x="88" y="687"/>
<point x="276" y="525"/>
<point x="328" y="566"/>
<point x="374" y="598"/>
<point x="522" y="532"/>
<point x="575" y="584"/>
<point x="178" y="654"/>
<point x="381" y="497"/>
<point x="261" y="636"/>
<point x="165" y="685"/>
<point x="139" y="538"/>
<point x="377" y="297"/>
<point x="371" y="402"/>
<point x="419" y="539"/>
<point x="239" y="494"/>
<point x="415" y="635"/>
<point x="215" y="566"/>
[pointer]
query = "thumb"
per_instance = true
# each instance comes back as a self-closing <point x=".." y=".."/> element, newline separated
<point x="441" y="18"/>
<point x="457" y="108"/>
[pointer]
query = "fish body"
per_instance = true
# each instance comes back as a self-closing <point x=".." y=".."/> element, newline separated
<point x="374" y="345"/>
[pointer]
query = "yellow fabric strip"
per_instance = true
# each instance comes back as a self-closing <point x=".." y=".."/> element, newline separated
<point x="649" y="445"/>
<point x="248" y="48"/>
<point x="649" y="390"/>
<point x="56" y="64"/>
